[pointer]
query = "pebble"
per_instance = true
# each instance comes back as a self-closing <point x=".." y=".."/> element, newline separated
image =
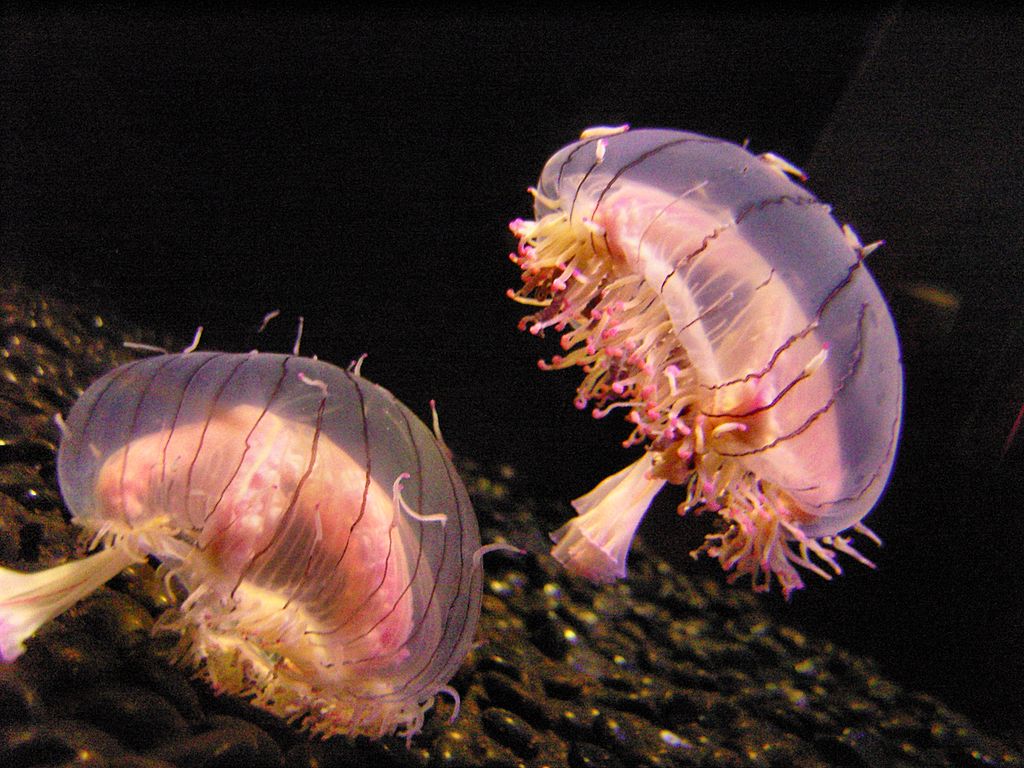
<point x="115" y="619"/>
<point x="10" y="530"/>
<point x="513" y="696"/>
<point x="852" y="748"/>
<point x="169" y="682"/>
<point x="230" y="743"/>
<point x="138" y="761"/>
<point x="63" y="654"/>
<point x="136" y="716"/>
<point x="19" y="701"/>
<point x="563" y="685"/>
<point x="57" y="742"/>
<point x="636" y="703"/>
<point x="613" y="733"/>
<point x="268" y="751"/>
<point x="553" y="636"/>
<point x="499" y="660"/>
<point x="26" y="449"/>
<point x="334" y="753"/>
<point x="454" y="749"/>
<point x="511" y="730"/>
<point x="584" y="755"/>
<point x="683" y="706"/>
<point x="577" y="722"/>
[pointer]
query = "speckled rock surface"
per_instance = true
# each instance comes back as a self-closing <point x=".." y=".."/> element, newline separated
<point x="660" y="670"/>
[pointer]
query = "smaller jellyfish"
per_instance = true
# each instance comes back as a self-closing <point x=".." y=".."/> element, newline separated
<point x="718" y="304"/>
<point x="329" y="549"/>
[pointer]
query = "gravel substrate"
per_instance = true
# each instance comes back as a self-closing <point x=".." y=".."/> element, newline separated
<point x="660" y="670"/>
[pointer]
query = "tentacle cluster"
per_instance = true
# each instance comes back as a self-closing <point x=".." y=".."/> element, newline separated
<point x="615" y="327"/>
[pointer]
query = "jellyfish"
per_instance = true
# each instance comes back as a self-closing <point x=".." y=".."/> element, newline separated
<point x="718" y="304"/>
<point x="328" y="548"/>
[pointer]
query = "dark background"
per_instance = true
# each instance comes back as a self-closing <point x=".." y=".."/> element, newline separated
<point x="183" y="167"/>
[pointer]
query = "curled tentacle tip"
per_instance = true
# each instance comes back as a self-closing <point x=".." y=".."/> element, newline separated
<point x="486" y="549"/>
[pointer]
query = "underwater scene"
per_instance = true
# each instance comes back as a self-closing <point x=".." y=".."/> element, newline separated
<point x="520" y="387"/>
